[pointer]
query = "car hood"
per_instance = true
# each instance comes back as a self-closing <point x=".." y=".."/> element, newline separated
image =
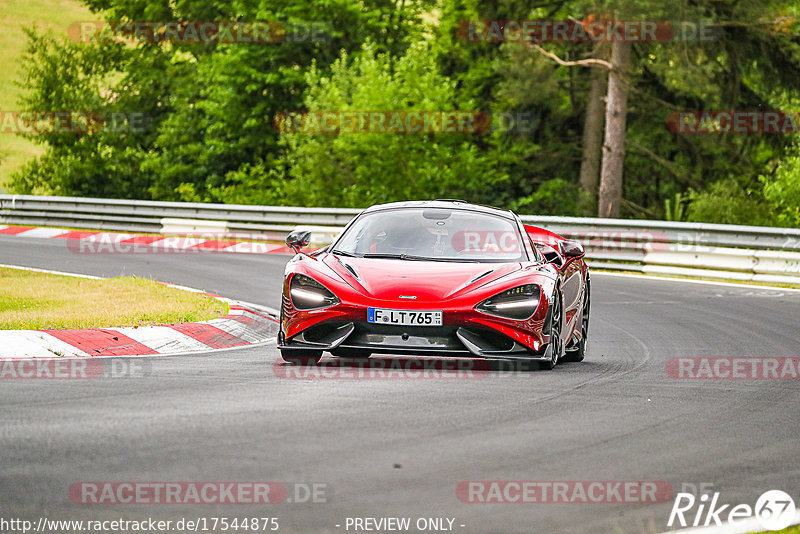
<point x="426" y="280"/>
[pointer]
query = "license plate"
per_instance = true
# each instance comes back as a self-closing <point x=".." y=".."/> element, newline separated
<point x="404" y="317"/>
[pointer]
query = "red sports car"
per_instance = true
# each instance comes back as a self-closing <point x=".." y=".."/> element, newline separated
<point x="437" y="278"/>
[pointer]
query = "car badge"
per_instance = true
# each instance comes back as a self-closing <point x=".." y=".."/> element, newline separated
<point x="408" y="297"/>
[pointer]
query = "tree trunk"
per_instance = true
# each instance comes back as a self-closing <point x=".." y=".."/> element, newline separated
<point x="610" y="196"/>
<point x="593" y="134"/>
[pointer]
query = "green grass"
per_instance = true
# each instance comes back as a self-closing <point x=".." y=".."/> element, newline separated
<point x="55" y="15"/>
<point x="31" y="300"/>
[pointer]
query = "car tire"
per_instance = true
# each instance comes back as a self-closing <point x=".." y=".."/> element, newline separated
<point x="301" y="357"/>
<point x="295" y="356"/>
<point x="579" y="352"/>
<point x="555" y="328"/>
<point x="356" y="354"/>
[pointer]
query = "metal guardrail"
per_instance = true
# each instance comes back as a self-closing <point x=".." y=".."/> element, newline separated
<point x="749" y="253"/>
<point x="147" y="216"/>
<point x="657" y="247"/>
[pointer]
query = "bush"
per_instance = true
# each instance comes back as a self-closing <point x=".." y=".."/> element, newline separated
<point x="359" y="169"/>
<point x="727" y="202"/>
<point x="782" y="189"/>
<point x="553" y="197"/>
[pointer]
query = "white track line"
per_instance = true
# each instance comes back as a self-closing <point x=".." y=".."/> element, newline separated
<point x="743" y="526"/>
<point x="690" y="281"/>
<point x="48" y="271"/>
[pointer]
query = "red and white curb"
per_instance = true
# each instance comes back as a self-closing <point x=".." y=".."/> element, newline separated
<point x="245" y="324"/>
<point x="97" y="242"/>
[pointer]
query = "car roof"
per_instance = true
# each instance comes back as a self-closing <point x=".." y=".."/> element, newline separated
<point x="442" y="203"/>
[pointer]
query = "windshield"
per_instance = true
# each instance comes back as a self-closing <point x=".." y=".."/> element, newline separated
<point x="440" y="234"/>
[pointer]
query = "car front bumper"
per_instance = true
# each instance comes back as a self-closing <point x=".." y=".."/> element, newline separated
<point x="461" y="341"/>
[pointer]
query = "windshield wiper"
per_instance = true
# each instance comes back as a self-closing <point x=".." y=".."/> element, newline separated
<point x="390" y="256"/>
<point x="343" y="253"/>
<point x="387" y="256"/>
<point x="412" y="257"/>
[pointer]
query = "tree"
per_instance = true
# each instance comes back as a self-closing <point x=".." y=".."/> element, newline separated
<point x="69" y="77"/>
<point x="593" y="128"/>
<point x="209" y="105"/>
<point x="610" y="195"/>
<point x="594" y="121"/>
<point x="358" y="169"/>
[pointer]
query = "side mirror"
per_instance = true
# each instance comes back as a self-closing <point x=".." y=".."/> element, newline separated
<point x="298" y="239"/>
<point x="571" y="249"/>
<point x="551" y="255"/>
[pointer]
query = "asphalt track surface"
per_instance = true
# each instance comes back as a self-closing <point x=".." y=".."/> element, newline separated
<point x="399" y="448"/>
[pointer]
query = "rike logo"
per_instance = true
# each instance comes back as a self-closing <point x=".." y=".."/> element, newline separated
<point x="774" y="510"/>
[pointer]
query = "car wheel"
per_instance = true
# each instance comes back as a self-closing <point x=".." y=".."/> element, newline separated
<point x="555" y="334"/>
<point x="579" y="352"/>
<point x="304" y="357"/>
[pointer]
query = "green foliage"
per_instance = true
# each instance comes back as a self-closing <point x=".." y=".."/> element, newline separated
<point x="555" y="196"/>
<point x="728" y="72"/>
<point x="782" y="189"/>
<point x="211" y="136"/>
<point x="675" y="208"/>
<point x="110" y="80"/>
<point x="209" y="106"/>
<point x="727" y="202"/>
<point x="222" y="127"/>
<point x="359" y="169"/>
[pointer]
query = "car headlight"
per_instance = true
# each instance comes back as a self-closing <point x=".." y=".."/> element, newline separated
<point x="518" y="303"/>
<point x="308" y="294"/>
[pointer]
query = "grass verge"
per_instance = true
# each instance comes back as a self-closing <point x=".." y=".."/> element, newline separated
<point x="54" y="15"/>
<point x="31" y="300"/>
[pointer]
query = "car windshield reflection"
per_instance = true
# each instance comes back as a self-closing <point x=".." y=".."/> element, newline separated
<point x="434" y="234"/>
